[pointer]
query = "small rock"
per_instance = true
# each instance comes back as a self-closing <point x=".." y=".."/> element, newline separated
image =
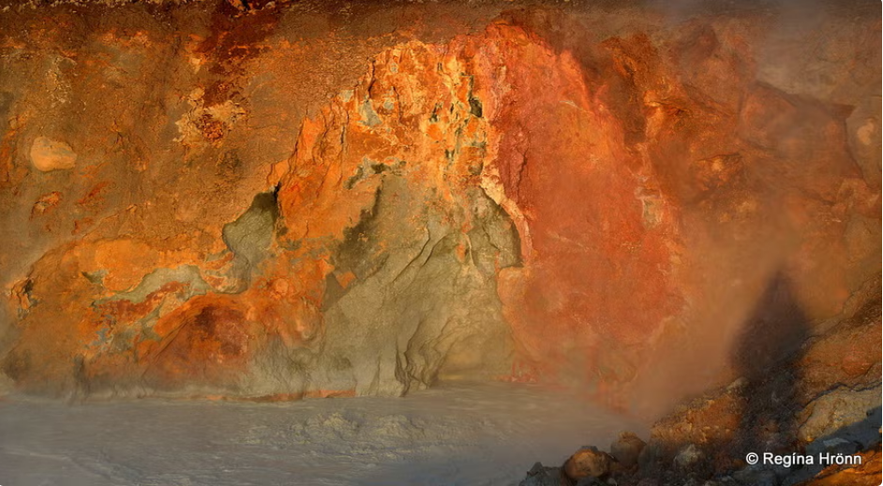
<point x="49" y="155"/>
<point x="540" y="475"/>
<point x="627" y="448"/>
<point x="587" y="462"/>
<point x="688" y="456"/>
<point x="649" y="457"/>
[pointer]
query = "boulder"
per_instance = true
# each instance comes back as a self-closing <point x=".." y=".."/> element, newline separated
<point x="627" y="448"/>
<point x="587" y="462"/>
<point x="47" y="155"/>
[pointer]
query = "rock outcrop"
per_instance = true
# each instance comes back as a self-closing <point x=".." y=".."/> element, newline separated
<point x="286" y="200"/>
<point x="818" y="404"/>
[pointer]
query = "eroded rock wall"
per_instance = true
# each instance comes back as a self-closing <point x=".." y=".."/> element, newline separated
<point x="304" y="199"/>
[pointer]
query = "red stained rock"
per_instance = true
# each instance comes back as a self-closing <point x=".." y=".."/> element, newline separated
<point x="205" y="342"/>
<point x="260" y="212"/>
<point x="590" y="227"/>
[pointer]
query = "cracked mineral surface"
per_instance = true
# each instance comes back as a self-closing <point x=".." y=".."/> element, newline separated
<point x="280" y="200"/>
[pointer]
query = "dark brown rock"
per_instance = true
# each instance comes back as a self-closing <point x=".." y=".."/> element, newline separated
<point x="540" y="475"/>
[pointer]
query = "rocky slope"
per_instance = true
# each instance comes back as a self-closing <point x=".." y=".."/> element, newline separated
<point x="820" y="399"/>
<point x="303" y="199"/>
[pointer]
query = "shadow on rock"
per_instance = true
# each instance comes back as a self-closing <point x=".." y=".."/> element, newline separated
<point x="766" y="356"/>
<point x="808" y="400"/>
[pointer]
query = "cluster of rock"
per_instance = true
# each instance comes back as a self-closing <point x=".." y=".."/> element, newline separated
<point x="851" y="457"/>
<point x="817" y="413"/>
<point x="590" y="466"/>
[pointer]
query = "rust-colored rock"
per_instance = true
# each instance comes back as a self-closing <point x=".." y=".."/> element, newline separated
<point x="263" y="200"/>
<point x="812" y="405"/>
<point x="48" y="155"/>
<point x="866" y="474"/>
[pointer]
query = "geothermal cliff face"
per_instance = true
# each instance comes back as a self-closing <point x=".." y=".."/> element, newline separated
<point x="296" y="200"/>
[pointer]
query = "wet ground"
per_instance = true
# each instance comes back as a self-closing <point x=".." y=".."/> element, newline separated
<point x="475" y="434"/>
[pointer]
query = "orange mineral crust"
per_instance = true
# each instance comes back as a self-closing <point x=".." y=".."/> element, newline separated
<point x="277" y="200"/>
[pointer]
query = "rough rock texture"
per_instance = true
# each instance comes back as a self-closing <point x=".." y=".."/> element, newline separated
<point x="868" y="474"/>
<point x="545" y="476"/>
<point x="817" y="400"/>
<point x="587" y="462"/>
<point x="626" y="449"/>
<point x="253" y="199"/>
